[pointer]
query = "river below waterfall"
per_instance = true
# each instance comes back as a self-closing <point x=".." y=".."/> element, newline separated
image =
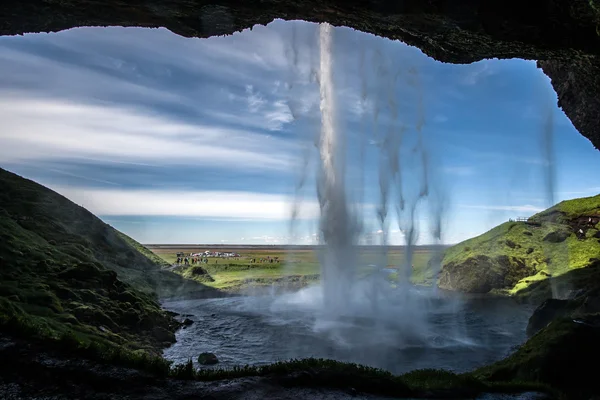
<point x="458" y="335"/>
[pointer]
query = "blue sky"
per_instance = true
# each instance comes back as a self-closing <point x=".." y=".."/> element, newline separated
<point x="176" y="140"/>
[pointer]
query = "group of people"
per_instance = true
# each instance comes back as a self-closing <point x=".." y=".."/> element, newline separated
<point x="265" y="260"/>
<point x="191" y="260"/>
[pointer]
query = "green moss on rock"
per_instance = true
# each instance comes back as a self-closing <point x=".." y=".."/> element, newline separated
<point x="561" y="355"/>
<point x="63" y="269"/>
<point x="514" y="255"/>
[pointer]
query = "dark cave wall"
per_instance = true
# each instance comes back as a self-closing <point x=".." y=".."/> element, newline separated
<point x="563" y="34"/>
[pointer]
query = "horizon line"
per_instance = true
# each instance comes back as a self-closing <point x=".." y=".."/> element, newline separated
<point x="276" y="245"/>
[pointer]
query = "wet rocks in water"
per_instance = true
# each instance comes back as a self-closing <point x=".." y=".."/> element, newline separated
<point x="207" y="359"/>
<point x="187" y="322"/>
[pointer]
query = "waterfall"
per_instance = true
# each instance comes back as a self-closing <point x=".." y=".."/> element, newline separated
<point x="337" y="227"/>
<point x="350" y="287"/>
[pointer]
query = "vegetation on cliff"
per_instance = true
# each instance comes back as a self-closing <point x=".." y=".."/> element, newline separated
<point x="516" y="254"/>
<point x="72" y="285"/>
<point x="65" y="272"/>
<point x="560" y="355"/>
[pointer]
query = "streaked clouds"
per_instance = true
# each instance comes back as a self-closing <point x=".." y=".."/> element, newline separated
<point x="146" y="128"/>
<point x="523" y="208"/>
<point x="67" y="130"/>
<point x="207" y="204"/>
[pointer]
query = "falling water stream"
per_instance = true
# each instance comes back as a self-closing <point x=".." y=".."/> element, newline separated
<point x="337" y="226"/>
<point x="339" y="221"/>
<point x="356" y="314"/>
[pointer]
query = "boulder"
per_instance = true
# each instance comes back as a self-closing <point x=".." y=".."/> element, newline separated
<point x="163" y="335"/>
<point x="187" y="322"/>
<point x="556" y="236"/>
<point x="207" y="359"/>
<point x="481" y="274"/>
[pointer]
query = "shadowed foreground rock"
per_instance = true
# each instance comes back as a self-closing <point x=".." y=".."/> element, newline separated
<point x="563" y="34"/>
<point x="28" y="372"/>
<point x="562" y="354"/>
<point x="552" y="309"/>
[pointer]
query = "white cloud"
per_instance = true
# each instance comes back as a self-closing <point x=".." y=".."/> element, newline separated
<point x="255" y="100"/>
<point x="34" y="129"/>
<point x="478" y="71"/>
<point x="203" y="204"/>
<point x="60" y="172"/>
<point x="278" y="115"/>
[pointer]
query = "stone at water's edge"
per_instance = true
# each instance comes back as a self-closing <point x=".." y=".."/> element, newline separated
<point x="163" y="335"/>
<point x="207" y="359"/>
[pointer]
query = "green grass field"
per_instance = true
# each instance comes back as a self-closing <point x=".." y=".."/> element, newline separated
<point x="301" y="264"/>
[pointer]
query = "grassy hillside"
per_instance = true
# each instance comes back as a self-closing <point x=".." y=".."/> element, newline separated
<point x="514" y="255"/>
<point x="64" y="271"/>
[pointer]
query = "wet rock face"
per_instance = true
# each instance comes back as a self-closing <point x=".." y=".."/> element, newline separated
<point x="564" y="34"/>
<point x="482" y="274"/>
<point x="552" y="309"/>
<point x="545" y="313"/>
<point x="577" y="84"/>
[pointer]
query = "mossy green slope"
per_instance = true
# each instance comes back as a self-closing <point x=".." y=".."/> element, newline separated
<point x="561" y="355"/>
<point x="514" y="255"/>
<point x="64" y="270"/>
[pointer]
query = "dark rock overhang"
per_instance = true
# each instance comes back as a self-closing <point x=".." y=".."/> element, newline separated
<point x="562" y="35"/>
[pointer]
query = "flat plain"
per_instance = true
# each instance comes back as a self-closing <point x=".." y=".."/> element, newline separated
<point x="299" y="264"/>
